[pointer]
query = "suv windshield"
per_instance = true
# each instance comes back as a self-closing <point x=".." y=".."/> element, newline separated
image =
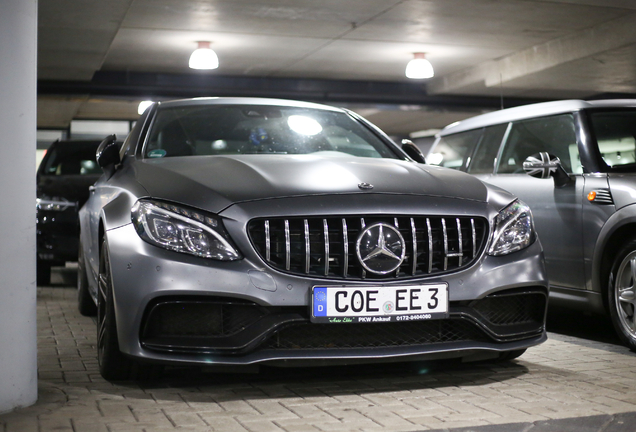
<point x="71" y="159"/>
<point x="246" y="129"/>
<point x="615" y="133"/>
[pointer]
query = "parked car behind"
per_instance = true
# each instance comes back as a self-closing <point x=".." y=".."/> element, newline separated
<point x="63" y="178"/>
<point x="574" y="163"/>
<point x="230" y="231"/>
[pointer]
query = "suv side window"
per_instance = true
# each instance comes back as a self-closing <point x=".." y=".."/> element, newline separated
<point x="453" y="151"/>
<point x="483" y="160"/>
<point x="554" y="135"/>
<point x="615" y="133"/>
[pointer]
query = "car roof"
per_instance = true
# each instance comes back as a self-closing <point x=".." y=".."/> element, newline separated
<point x="75" y="143"/>
<point x="532" y="111"/>
<point x="246" y="101"/>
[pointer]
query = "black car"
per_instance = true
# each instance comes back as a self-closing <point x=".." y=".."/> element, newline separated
<point x="63" y="178"/>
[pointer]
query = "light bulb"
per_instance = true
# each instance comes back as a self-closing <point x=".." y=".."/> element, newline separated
<point x="419" y="68"/>
<point x="204" y="57"/>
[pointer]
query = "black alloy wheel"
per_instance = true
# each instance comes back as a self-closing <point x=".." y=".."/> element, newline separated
<point x="85" y="302"/>
<point x="622" y="294"/>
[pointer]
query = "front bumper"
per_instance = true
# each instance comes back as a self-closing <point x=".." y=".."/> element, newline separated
<point x="57" y="235"/>
<point x="277" y="327"/>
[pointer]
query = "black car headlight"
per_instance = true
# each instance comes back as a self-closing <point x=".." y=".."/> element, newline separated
<point x="513" y="229"/>
<point x="183" y="230"/>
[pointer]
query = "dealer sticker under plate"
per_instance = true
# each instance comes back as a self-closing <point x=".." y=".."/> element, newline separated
<point x="379" y="304"/>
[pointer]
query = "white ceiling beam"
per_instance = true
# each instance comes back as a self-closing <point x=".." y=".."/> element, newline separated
<point x="582" y="44"/>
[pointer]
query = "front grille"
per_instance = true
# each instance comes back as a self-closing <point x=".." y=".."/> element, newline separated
<point x="375" y="335"/>
<point x="326" y="247"/>
<point x="228" y="326"/>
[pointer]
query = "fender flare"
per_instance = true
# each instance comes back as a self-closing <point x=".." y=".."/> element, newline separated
<point x="622" y="218"/>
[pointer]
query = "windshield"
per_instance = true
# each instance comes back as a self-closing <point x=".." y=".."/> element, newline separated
<point x="247" y="129"/>
<point x="616" y="136"/>
<point x="71" y="159"/>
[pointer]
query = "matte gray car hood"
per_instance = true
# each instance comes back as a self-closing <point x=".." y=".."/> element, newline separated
<point x="215" y="182"/>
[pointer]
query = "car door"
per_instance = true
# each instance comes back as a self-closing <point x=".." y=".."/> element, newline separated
<point x="557" y="210"/>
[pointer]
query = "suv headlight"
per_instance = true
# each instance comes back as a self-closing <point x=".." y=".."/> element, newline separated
<point x="53" y="204"/>
<point x="182" y="230"/>
<point x="513" y="229"/>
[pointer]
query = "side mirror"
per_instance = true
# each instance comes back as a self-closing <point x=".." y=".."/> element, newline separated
<point x="413" y="151"/>
<point x="544" y="165"/>
<point x="108" y="154"/>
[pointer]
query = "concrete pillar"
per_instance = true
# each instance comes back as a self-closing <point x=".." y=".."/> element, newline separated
<point x="18" y="337"/>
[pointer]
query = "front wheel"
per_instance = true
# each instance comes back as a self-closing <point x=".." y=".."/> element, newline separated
<point x="113" y="365"/>
<point x="85" y="302"/>
<point x="622" y="294"/>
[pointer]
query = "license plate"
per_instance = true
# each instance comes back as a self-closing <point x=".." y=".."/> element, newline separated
<point x="379" y="304"/>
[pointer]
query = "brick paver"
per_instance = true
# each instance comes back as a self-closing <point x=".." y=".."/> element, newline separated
<point x="565" y="378"/>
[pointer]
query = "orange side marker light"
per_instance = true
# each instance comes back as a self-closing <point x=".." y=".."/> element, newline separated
<point x="591" y="196"/>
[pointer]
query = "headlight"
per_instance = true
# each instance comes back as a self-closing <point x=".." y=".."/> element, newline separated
<point x="53" y="204"/>
<point x="182" y="230"/>
<point x="514" y="229"/>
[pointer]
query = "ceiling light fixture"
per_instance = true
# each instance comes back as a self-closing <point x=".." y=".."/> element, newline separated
<point x="143" y="106"/>
<point x="204" y="57"/>
<point x="419" y="67"/>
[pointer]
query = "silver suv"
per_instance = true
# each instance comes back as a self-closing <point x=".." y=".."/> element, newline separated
<point x="574" y="163"/>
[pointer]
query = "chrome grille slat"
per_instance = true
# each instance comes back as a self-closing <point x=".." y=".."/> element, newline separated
<point x="268" y="243"/>
<point x="325" y="247"/>
<point x="430" y="245"/>
<point x="474" y="236"/>
<point x="460" y="254"/>
<point x="307" y="247"/>
<point x="326" y="230"/>
<point x="414" y="240"/>
<point x="363" y="225"/>
<point x="287" y="246"/>
<point x="445" y="244"/>
<point x="345" y="242"/>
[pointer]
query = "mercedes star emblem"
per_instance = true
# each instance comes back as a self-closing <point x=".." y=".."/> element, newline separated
<point x="380" y="248"/>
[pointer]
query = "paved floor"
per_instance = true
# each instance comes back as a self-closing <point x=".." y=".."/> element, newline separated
<point x="567" y="384"/>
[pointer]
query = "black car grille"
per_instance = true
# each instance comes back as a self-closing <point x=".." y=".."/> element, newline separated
<point x="200" y="317"/>
<point x="326" y="247"/>
<point x="234" y="327"/>
<point x="375" y="335"/>
<point x="512" y="308"/>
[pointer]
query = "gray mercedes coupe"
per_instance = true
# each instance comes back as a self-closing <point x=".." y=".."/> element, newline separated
<point x="238" y="231"/>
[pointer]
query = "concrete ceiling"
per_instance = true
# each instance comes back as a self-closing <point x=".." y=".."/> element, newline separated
<point x="523" y="50"/>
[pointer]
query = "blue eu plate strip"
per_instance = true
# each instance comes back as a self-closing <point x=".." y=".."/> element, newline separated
<point x="320" y="302"/>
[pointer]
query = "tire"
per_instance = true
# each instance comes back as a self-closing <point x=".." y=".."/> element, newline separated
<point x="621" y="291"/>
<point x="511" y="355"/>
<point x="113" y="365"/>
<point x="85" y="302"/>
<point x="43" y="272"/>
